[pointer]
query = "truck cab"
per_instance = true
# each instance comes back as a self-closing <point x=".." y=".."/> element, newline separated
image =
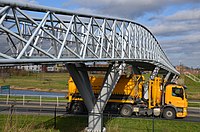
<point x="175" y="101"/>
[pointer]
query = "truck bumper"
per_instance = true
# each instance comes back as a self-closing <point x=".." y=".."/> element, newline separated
<point x="182" y="114"/>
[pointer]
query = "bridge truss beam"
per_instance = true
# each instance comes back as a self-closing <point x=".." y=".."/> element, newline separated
<point x="38" y="34"/>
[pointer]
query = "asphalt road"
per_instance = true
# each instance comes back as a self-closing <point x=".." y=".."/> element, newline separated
<point x="34" y="109"/>
<point x="49" y="108"/>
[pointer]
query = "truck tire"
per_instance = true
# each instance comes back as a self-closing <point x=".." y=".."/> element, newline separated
<point x="126" y="110"/>
<point x="169" y="113"/>
<point x="77" y="108"/>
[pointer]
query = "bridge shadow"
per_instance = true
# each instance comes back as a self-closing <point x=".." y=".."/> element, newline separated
<point x="68" y="123"/>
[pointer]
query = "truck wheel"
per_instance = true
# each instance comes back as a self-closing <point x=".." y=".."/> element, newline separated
<point x="77" y="108"/>
<point x="126" y="111"/>
<point x="169" y="113"/>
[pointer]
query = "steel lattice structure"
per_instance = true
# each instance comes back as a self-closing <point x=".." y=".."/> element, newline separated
<point x="38" y="34"/>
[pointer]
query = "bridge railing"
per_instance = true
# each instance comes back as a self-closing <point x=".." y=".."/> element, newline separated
<point x="38" y="34"/>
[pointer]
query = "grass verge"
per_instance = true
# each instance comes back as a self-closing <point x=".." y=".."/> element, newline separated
<point x="29" y="123"/>
<point x="142" y="125"/>
<point x="194" y="104"/>
<point x="24" y="123"/>
<point x="43" y="81"/>
<point x="58" y="82"/>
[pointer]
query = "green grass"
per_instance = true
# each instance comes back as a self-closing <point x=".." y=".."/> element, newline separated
<point x="24" y="123"/>
<point x="36" y="123"/>
<point x="59" y="81"/>
<point x="192" y="86"/>
<point x="46" y="81"/>
<point x="194" y="104"/>
<point x="194" y="95"/>
<point x="142" y="125"/>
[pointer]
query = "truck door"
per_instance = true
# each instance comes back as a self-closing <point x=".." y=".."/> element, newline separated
<point x="177" y="97"/>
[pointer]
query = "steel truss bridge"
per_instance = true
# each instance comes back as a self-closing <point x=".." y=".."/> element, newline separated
<point x="39" y="34"/>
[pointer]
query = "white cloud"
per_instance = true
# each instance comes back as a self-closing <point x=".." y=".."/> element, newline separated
<point x="26" y="1"/>
<point x="174" y="28"/>
<point x="125" y="8"/>
<point x="185" y="49"/>
<point x="120" y="8"/>
<point x="179" y="35"/>
<point x="182" y="22"/>
<point x="193" y="14"/>
<point x="86" y="11"/>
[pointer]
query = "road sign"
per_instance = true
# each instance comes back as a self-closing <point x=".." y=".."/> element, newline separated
<point x="5" y="87"/>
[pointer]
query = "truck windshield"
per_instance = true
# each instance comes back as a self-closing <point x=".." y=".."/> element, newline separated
<point x="178" y="92"/>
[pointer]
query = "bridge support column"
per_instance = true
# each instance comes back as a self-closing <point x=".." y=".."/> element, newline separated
<point x="174" y="78"/>
<point x="82" y="82"/>
<point x="96" y="115"/>
<point x="95" y="106"/>
<point x="154" y="73"/>
<point x="167" y="77"/>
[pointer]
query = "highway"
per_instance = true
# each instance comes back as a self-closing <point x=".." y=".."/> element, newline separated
<point x="49" y="109"/>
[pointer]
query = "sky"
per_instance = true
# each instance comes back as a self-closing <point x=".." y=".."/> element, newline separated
<point x="175" y="23"/>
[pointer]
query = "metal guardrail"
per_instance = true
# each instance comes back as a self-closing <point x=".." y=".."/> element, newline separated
<point x="26" y="99"/>
<point x="191" y="76"/>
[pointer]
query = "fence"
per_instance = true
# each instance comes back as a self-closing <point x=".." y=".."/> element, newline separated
<point x="11" y="111"/>
<point x="33" y="99"/>
<point x="191" y="76"/>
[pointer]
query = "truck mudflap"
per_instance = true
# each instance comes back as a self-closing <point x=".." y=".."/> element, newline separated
<point x="68" y="107"/>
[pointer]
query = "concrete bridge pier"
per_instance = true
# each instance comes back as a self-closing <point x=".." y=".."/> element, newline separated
<point x="94" y="105"/>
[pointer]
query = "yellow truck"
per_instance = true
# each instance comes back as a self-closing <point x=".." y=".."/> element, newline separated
<point x="128" y="97"/>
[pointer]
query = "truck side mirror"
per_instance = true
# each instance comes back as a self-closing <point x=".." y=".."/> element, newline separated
<point x="181" y="94"/>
